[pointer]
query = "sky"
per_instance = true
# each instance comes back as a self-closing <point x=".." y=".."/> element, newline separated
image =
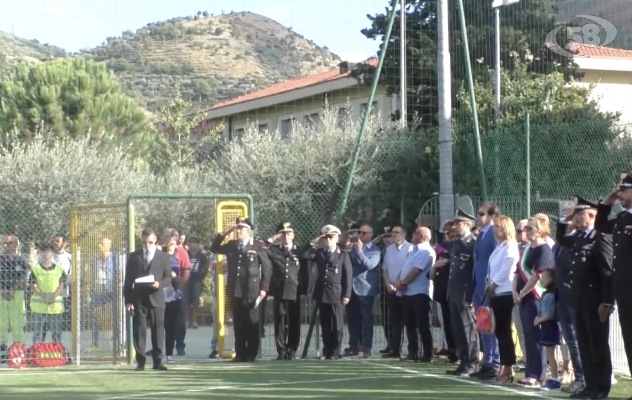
<point x="78" y="24"/>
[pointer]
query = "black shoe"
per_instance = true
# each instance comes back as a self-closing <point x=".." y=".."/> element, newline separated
<point x="598" y="395"/>
<point x="214" y="354"/>
<point x="385" y="351"/>
<point x="488" y="373"/>
<point x="282" y="356"/>
<point x="291" y="356"/>
<point x="350" y="353"/>
<point x="181" y="352"/>
<point x="584" y="394"/>
<point x="238" y="359"/>
<point x="139" y="368"/>
<point x="391" y="354"/>
<point x="426" y="360"/>
<point x="160" y="367"/>
<point x="480" y="372"/>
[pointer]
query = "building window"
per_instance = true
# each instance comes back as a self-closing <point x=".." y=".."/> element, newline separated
<point x="311" y="120"/>
<point x="286" y="128"/>
<point x="238" y="133"/>
<point x="343" y="117"/>
<point x="374" y="110"/>
<point x="263" y="128"/>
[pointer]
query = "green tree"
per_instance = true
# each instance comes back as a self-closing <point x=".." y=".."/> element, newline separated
<point x="524" y="28"/>
<point x="181" y="136"/>
<point x="71" y="98"/>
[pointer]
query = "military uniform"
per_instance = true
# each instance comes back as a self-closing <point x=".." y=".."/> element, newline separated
<point x="333" y="283"/>
<point x="621" y="230"/>
<point x="460" y="291"/>
<point x="590" y="274"/>
<point x="288" y="283"/>
<point x="249" y="272"/>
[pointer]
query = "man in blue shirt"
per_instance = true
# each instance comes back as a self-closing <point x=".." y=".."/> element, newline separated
<point x="485" y="245"/>
<point x="417" y="286"/>
<point x="365" y="257"/>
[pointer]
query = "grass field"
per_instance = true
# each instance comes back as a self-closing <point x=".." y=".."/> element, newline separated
<point x="301" y="379"/>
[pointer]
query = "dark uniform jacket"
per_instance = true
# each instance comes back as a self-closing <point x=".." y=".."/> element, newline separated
<point x="621" y="230"/>
<point x="590" y="261"/>
<point x="249" y="270"/>
<point x="563" y="272"/>
<point x="461" y="283"/>
<point x="335" y="275"/>
<point x="290" y="273"/>
<point x="442" y="276"/>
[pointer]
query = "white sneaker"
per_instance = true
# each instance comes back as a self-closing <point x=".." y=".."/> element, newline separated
<point x="613" y="380"/>
<point x="169" y="359"/>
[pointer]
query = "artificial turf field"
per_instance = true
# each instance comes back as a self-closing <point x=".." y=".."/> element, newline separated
<point x="353" y="379"/>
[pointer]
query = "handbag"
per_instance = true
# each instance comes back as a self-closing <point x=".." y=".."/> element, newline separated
<point x="485" y="320"/>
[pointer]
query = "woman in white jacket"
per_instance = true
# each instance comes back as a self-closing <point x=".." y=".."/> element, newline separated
<point x="502" y="268"/>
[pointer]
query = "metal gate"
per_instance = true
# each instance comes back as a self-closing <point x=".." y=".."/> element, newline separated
<point x="99" y="253"/>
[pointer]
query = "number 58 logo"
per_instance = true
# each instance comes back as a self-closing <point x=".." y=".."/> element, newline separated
<point x="600" y="33"/>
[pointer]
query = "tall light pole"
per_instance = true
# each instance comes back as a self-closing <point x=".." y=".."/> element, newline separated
<point x="403" y="62"/>
<point x="496" y="7"/>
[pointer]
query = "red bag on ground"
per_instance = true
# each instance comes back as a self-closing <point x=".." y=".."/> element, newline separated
<point x="47" y="355"/>
<point x="485" y="321"/>
<point x="17" y="356"/>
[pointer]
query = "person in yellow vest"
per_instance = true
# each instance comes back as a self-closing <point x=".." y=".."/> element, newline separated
<point x="47" y="303"/>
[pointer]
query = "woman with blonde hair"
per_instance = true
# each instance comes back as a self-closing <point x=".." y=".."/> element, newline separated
<point x="527" y="291"/>
<point x="502" y="268"/>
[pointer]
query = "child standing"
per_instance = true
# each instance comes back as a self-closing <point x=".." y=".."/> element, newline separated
<point x="47" y="304"/>
<point x="550" y="335"/>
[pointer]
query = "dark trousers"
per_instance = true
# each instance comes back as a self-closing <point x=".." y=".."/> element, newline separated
<point x="172" y="314"/>
<point x="418" y="319"/>
<point x="447" y="328"/>
<point x="396" y="321"/>
<point x="566" y="315"/>
<point x="360" y="320"/>
<point x="246" y="328"/>
<point x="535" y="354"/>
<point x="502" y="307"/>
<point x="384" y="311"/>
<point x="287" y="325"/>
<point x="262" y="315"/>
<point x="594" y="348"/>
<point x="331" y="323"/>
<point x="465" y="335"/>
<point x="624" y="309"/>
<point x="156" y="319"/>
<point x="181" y="327"/>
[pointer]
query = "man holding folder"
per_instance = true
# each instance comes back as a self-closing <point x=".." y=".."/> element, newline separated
<point x="147" y="273"/>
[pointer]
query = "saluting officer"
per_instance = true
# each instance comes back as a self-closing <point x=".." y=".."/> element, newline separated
<point x="460" y="291"/>
<point x="289" y="282"/>
<point x="333" y="288"/>
<point x="621" y="230"/>
<point x="249" y="272"/>
<point x="591" y="287"/>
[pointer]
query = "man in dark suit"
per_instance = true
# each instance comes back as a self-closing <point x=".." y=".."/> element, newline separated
<point x="621" y="230"/>
<point x="249" y="272"/>
<point x="332" y="290"/>
<point x="591" y="286"/>
<point x="146" y="301"/>
<point x="460" y="294"/>
<point x="288" y="278"/>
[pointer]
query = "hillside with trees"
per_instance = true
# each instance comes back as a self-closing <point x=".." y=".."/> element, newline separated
<point x="211" y="58"/>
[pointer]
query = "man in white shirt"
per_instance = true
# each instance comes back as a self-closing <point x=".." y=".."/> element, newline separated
<point x="394" y="260"/>
<point x="417" y="287"/>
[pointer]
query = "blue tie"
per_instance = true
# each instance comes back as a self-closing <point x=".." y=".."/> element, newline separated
<point x="241" y="247"/>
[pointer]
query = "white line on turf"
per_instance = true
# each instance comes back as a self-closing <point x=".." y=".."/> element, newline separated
<point x="464" y="380"/>
<point x="122" y="368"/>
<point x="234" y="386"/>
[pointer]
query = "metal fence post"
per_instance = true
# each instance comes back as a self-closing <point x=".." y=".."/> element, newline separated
<point x="527" y="129"/>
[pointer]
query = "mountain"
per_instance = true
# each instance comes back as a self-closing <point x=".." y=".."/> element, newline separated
<point x="14" y="48"/>
<point x="211" y="58"/>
